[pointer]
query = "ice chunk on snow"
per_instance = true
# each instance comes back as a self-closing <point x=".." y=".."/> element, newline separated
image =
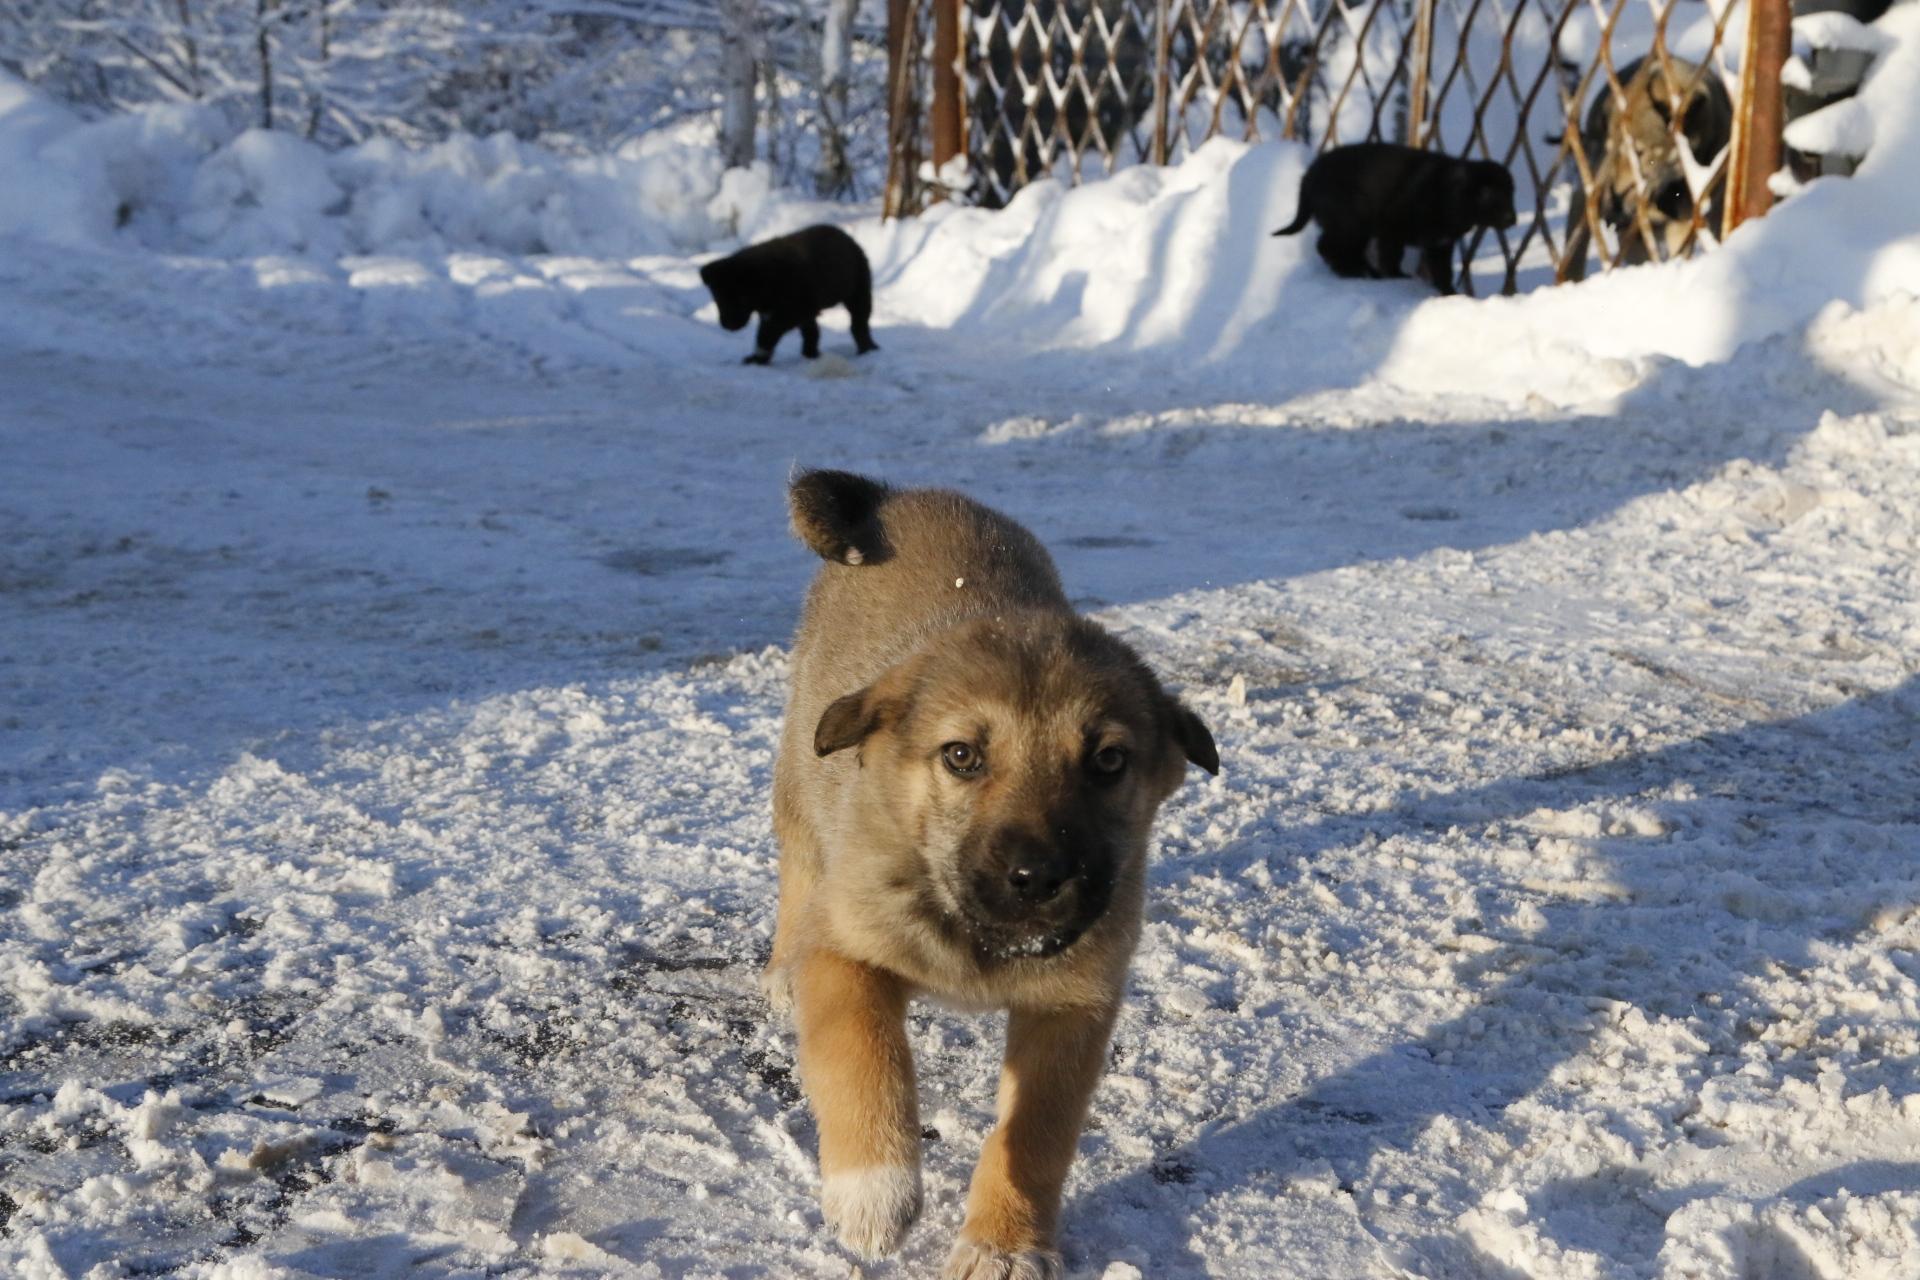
<point x="567" y="1246"/>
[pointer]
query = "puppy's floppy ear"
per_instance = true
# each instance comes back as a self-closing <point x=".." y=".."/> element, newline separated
<point x="849" y="720"/>
<point x="1196" y="741"/>
<point x="1697" y="124"/>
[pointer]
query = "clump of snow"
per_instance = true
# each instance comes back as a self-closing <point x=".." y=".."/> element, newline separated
<point x="267" y="191"/>
<point x="69" y="200"/>
<point x="1844" y="1237"/>
<point x="741" y="201"/>
<point x="1835" y="30"/>
<point x="1843" y="128"/>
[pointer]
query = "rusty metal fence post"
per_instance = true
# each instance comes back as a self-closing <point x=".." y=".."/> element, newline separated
<point x="1422" y="71"/>
<point x="949" y="138"/>
<point x="902" y="126"/>
<point x="1762" y="115"/>
<point x="1162" y="70"/>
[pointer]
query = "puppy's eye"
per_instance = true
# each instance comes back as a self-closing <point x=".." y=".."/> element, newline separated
<point x="962" y="758"/>
<point x="1109" y="761"/>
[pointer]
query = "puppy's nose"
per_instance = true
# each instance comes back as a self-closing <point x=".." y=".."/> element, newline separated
<point x="1037" y="877"/>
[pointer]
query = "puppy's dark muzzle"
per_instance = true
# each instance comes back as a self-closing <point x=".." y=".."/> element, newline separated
<point x="1035" y="897"/>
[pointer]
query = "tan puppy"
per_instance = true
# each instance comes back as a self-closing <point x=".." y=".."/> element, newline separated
<point x="964" y="792"/>
<point x="1633" y="141"/>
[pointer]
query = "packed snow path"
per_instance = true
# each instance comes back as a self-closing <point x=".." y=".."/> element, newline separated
<point x="390" y="668"/>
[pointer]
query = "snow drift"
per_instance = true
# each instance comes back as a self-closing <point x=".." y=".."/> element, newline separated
<point x="180" y="179"/>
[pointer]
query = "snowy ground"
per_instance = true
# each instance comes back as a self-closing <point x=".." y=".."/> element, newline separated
<point x="391" y="658"/>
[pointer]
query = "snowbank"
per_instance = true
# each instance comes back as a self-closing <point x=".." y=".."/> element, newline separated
<point x="1179" y="256"/>
<point x="180" y="179"/>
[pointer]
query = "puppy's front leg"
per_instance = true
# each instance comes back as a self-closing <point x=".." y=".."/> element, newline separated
<point x="773" y="327"/>
<point x="858" y="1072"/>
<point x="1053" y="1063"/>
<point x="796" y="883"/>
<point x="1436" y="259"/>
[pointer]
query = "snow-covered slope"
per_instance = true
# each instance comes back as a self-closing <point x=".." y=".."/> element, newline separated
<point x="391" y="657"/>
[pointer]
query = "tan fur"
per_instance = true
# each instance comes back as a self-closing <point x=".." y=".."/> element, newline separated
<point x="950" y="625"/>
<point x="1636" y="143"/>
<point x="1641" y="153"/>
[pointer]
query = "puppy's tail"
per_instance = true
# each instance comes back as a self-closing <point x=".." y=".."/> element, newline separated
<point x="1300" y="219"/>
<point x="837" y="514"/>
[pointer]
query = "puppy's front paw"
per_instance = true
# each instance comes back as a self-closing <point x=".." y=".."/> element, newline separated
<point x="759" y="357"/>
<point x="776" y="985"/>
<point x="870" y="1209"/>
<point x="977" y="1260"/>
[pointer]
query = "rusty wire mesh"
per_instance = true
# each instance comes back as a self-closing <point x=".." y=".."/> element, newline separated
<point x="1607" y="147"/>
<point x="1557" y="90"/>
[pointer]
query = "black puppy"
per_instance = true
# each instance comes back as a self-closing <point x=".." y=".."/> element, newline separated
<point x="790" y="281"/>
<point x="1394" y="196"/>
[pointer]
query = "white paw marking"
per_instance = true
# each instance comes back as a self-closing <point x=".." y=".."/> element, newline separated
<point x="976" y="1260"/>
<point x="776" y="984"/>
<point x="870" y="1209"/>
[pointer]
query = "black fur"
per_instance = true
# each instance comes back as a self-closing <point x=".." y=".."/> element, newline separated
<point x="1389" y="196"/>
<point x="835" y="514"/>
<point x="789" y="281"/>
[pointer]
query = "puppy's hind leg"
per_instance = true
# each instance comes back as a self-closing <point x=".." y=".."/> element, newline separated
<point x="1346" y="254"/>
<point x="1579" y="238"/>
<point x="858" y="1072"/>
<point x="810" y="337"/>
<point x="1387" y="255"/>
<point x="860" y="308"/>
<point x="1053" y="1062"/>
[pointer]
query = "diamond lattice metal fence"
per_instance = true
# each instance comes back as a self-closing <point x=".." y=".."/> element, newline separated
<point x="1621" y="120"/>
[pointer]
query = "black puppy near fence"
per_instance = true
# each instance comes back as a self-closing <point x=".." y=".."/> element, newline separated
<point x="991" y="95"/>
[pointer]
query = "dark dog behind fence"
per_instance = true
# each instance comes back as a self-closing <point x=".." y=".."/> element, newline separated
<point x="1074" y="89"/>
